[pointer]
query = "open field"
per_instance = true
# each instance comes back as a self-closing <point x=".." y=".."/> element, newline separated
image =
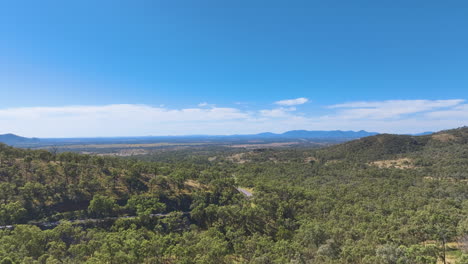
<point x="126" y="149"/>
<point x="120" y="146"/>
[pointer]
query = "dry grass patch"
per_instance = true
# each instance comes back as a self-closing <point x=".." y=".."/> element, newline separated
<point x="238" y="158"/>
<point x="310" y="159"/>
<point x="331" y="162"/>
<point x="450" y="179"/>
<point x="403" y="163"/>
<point x="194" y="184"/>
<point x="266" y="145"/>
<point x="122" y="153"/>
<point x="129" y="145"/>
<point x="443" y="137"/>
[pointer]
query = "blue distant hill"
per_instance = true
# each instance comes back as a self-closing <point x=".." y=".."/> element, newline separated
<point x="327" y="134"/>
<point x="12" y="139"/>
<point x="423" y="133"/>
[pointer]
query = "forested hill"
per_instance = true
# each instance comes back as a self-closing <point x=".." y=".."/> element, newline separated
<point x="45" y="183"/>
<point x="383" y="199"/>
<point x="389" y="145"/>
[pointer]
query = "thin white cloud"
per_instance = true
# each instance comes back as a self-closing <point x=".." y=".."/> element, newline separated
<point x="402" y="116"/>
<point x="390" y="108"/>
<point x="111" y="120"/>
<point x="430" y="103"/>
<point x="291" y="102"/>
<point x="203" y="104"/>
<point x="124" y="111"/>
<point x="277" y="112"/>
<point x="458" y="112"/>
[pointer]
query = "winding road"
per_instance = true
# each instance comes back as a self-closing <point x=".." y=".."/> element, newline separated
<point x="245" y="192"/>
<point x="47" y="225"/>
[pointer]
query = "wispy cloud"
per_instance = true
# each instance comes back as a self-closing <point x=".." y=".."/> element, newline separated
<point x="395" y="116"/>
<point x="390" y="108"/>
<point x="277" y="112"/>
<point x="111" y="120"/>
<point x="458" y="112"/>
<point x="291" y="102"/>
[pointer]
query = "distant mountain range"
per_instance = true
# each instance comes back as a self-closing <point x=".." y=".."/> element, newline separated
<point x="319" y="135"/>
<point x="423" y="133"/>
<point x="12" y="139"/>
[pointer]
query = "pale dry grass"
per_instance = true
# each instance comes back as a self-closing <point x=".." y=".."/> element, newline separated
<point x="310" y="159"/>
<point x="267" y="145"/>
<point x="450" y="179"/>
<point x="452" y="249"/>
<point x="238" y="158"/>
<point x="403" y="163"/>
<point x="331" y="162"/>
<point x="443" y="137"/>
<point x="123" y="153"/>
<point x="194" y="184"/>
<point x="124" y="145"/>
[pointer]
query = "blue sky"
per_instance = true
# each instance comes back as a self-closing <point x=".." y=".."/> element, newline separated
<point x="128" y="68"/>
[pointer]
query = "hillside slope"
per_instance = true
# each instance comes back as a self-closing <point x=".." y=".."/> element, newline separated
<point x="387" y="145"/>
<point x="12" y="139"/>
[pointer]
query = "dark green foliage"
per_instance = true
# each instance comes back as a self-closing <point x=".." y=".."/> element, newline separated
<point x="331" y="205"/>
<point x="145" y="205"/>
<point x="101" y="206"/>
